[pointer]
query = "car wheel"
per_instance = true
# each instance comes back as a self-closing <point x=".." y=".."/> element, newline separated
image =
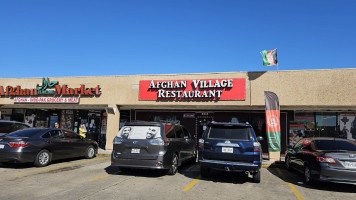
<point x="204" y="172"/>
<point x="90" y="152"/>
<point x="307" y="175"/>
<point x="288" y="163"/>
<point x="257" y="177"/>
<point x="173" y="168"/>
<point x="43" y="158"/>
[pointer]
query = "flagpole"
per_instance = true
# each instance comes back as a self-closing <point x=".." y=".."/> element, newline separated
<point x="277" y="68"/>
<point x="279" y="106"/>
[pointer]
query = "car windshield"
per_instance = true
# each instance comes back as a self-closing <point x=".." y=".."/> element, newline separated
<point x="139" y="132"/>
<point x="229" y="132"/>
<point x="24" y="133"/>
<point x="335" y="145"/>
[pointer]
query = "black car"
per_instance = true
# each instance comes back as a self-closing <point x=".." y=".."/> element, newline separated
<point x="40" y="146"/>
<point x="153" y="145"/>
<point x="230" y="147"/>
<point x="11" y="126"/>
<point x="324" y="159"/>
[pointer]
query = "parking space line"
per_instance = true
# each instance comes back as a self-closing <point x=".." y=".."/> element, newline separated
<point x="295" y="191"/>
<point x="94" y="179"/>
<point x="58" y="166"/>
<point x="192" y="184"/>
<point x="265" y="165"/>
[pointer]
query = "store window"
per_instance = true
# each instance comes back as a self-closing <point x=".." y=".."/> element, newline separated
<point x="167" y="119"/>
<point x="30" y="117"/>
<point x="326" y="125"/>
<point x="303" y="126"/>
<point x="18" y="115"/>
<point x="42" y="118"/>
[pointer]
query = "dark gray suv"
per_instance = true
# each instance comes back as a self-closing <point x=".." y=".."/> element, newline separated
<point x="152" y="145"/>
<point x="230" y="147"/>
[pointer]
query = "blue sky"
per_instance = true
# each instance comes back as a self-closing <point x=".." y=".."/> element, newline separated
<point x="41" y="38"/>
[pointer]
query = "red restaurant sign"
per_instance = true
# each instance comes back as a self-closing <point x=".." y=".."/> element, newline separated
<point x="198" y="89"/>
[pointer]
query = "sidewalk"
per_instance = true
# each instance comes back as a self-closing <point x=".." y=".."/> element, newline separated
<point x="266" y="162"/>
<point x="102" y="152"/>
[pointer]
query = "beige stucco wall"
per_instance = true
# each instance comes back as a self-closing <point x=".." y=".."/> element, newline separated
<point x="297" y="90"/>
<point x="335" y="88"/>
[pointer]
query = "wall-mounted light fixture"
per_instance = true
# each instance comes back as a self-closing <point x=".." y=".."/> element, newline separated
<point x="110" y="110"/>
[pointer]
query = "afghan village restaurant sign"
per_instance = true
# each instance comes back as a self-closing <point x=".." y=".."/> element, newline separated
<point x="48" y="92"/>
<point x="197" y="90"/>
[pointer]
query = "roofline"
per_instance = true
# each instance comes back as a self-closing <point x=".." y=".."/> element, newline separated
<point x="179" y="74"/>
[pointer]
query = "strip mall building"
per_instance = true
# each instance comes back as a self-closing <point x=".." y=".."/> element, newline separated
<point x="313" y="103"/>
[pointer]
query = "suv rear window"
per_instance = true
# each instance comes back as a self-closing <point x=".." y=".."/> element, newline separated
<point x="139" y="132"/>
<point x="338" y="145"/>
<point x="230" y="133"/>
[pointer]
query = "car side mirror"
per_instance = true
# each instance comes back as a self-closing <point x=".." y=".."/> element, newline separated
<point x="259" y="138"/>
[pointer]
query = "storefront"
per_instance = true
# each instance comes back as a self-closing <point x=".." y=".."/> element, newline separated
<point x="50" y="102"/>
<point x="313" y="103"/>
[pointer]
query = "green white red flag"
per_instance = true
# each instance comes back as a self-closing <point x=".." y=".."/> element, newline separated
<point x="273" y="126"/>
<point x="269" y="57"/>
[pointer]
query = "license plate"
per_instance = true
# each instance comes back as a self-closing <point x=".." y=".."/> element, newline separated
<point x="135" y="150"/>
<point x="2" y="146"/>
<point x="227" y="150"/>
<point x="349" y="164"/>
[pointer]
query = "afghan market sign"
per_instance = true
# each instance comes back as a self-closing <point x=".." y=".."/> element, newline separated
<point x="48" y="92"/>
<point x="197" y="89"/>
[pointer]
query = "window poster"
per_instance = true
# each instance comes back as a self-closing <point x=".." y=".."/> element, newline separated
<point x="296" y="133"/>
<point x="348" y="126"/>
<point x="67" y="119"/>
<point x="302" y="126"/>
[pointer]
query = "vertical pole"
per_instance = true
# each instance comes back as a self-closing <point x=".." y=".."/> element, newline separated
<point x="277" y="68"/>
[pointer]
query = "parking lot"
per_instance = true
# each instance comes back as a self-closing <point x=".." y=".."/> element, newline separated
<point x="96" y="179"/>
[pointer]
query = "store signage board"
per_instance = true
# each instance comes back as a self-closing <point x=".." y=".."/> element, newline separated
<point x="46" y="100"/>
<point x="48" y="92"/>
<point x="195" y="90"/>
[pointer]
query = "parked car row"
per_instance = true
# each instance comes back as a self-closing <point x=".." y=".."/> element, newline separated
<point x="153" y="145"/>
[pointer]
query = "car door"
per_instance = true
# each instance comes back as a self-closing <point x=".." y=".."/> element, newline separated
<point x="75" y="144"/>
<point x="182" y="143"/>
<point x="191" y="144"/>
<point x="297" y="156"/>
<point x="174" y="142"/>
<point x="54" y="140"/>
